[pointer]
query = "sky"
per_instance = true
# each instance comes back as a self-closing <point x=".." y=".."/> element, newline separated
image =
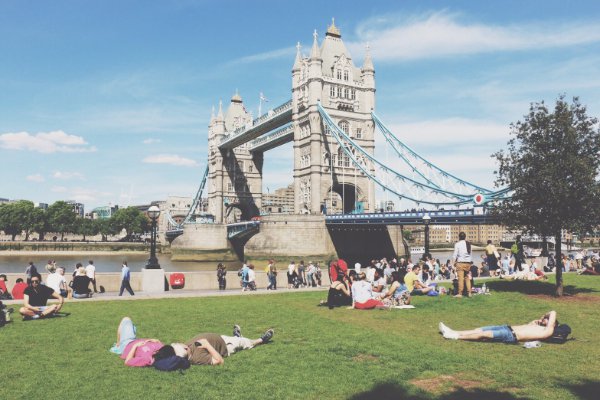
<point x="108" y="102"/>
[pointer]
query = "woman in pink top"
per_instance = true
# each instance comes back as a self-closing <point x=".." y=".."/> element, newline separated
<point x="135" y="352"/>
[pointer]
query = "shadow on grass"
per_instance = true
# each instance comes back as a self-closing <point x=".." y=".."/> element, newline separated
<point x="535" y="288"/>
<point x="392" y="391"/>
<point x="586" y="390"/>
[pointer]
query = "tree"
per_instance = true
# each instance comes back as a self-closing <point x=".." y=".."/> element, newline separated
<point x="86" y="227"/>
<point x="131" y="219"/>
<point x="552" y="166"/>
<point x="17" y="217"/>
<point x="38" y="222"/>
<point x="104" y="227"/>
<point x="61" y="218"/>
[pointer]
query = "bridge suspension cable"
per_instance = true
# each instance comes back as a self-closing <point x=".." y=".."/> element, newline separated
<point x="429" y="172"/>
<point x="173" y="225"/>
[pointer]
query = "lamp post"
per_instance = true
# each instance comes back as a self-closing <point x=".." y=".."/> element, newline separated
<point x="153" y="213"/>
<point x="426" y="219"/>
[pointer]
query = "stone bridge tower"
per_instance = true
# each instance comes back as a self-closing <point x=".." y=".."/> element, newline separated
<point x="323" y="174"/>
<point x="235" y="176"/>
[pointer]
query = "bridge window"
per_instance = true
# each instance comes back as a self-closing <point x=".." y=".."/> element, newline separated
<point x="250" y="168"/>
<point x="359" y="133"/>
<point x="353" y="94"/>
<point x="346" y="93"/>
<point x="331" y="91"/>
<point x="344" y="126"/>
<point x="339" y="74"/>
<point x="345" y="75"/>
<point x="326" y="129"/>
<point x="229" y="187"/>
<point x="342" y="159"/>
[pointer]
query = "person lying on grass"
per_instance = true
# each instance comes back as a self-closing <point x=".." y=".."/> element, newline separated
<point x="212" y="348"/>
<point x="35" y="300"/>
<point x="136" y="352"/>
<point x="539" y="329"/>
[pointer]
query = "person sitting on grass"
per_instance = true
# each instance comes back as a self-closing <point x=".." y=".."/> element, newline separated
<point x="362" y="294"/>
<point x="36" y="299"/>
<point x="340" y="291"/>
<point x="81" y="283"/>
<point x="212" y="348"/>
<point x="379" y="283"/>
<point x="414" y="285"/>
<point x="539" y="329"/>
<point x="397" y="294"/>
<point x="135" y="352"/>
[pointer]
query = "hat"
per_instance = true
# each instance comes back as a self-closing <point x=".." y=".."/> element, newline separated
<point x="179" y="349"/>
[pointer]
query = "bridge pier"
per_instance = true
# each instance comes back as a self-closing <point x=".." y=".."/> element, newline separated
<point x="203" y="242"/>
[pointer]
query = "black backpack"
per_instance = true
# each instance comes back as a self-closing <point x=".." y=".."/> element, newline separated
<point x="171" y="363"/>
<point x="560" y="334"/>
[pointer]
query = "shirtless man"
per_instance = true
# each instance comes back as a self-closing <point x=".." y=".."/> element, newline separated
<point x="539" y="329"/>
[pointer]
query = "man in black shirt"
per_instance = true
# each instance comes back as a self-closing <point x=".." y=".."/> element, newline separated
<point x="35" y="298"/>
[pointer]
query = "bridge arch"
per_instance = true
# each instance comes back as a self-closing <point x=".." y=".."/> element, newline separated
<point x="343" y="197"/>
<point x="237" y="212"/>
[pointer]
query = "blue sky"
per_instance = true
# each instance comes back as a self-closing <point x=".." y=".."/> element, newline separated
<point x="109" y="101"/>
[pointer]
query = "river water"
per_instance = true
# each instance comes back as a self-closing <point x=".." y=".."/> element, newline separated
<point x="104" y="262"/>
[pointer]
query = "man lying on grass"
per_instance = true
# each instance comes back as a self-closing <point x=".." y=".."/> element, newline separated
<point x="211" y="348"/>
<point x="35" y="300"/>
<point x="539" y="329"/>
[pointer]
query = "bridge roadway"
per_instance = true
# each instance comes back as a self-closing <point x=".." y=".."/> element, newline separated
<point x="442" y="217"/>
<point x="274" y="119"/>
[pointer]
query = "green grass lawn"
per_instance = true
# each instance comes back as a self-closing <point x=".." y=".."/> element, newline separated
<point x="316" y="353"/>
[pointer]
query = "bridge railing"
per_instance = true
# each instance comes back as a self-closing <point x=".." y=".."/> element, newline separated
<point x="406" y="214"/>
<point x="272" y="136"/>
<point x="260" y="120"/>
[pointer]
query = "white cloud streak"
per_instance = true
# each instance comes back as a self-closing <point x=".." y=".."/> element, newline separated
<point x="171" y="159"/>
<point x="266" y="56"/>
<point x="151" y="141"/>
<point x="35" y="178"/>
<point x="441" y="34"/>
<point x="45" y="142"/>
<point x="68" y="175"/>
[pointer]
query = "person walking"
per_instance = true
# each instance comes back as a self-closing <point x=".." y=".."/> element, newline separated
<point x="221" y="272"/>
<point x="125" y="277"/>
<point x="90" y="271"/>
<point x="31" y="271"/>
<point x="272" y="275"/>
<point x="462" y="262"/>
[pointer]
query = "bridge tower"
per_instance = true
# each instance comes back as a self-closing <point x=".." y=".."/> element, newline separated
<point x="235" y="175"/>
<point x="323" y="174"/>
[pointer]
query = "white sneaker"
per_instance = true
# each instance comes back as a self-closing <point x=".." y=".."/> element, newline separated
<point x="447" y="332"/>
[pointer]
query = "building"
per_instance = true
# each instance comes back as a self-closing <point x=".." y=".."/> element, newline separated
<point x="78" y="208"/>
<point x="448" y="234"/>
<point x="281" y="201"/>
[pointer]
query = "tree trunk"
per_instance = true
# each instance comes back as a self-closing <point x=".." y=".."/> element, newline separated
<point x="559" y="265"/>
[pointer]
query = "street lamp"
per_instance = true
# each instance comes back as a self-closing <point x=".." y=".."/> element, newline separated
<point x="153" y="213"/>
<point x="426" y="219"/>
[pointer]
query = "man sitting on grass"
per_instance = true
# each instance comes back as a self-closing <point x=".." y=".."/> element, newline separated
<point x="36" y="297"/>
<point x="211" y="348"/>
<point x="539" y="329"/>
<point x="414" y="285"/>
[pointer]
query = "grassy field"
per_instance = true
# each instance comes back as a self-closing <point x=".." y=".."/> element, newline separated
<point x="316" y="353"/>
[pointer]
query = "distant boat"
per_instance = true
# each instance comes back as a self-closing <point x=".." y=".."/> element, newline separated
<point x="417" y="251"/>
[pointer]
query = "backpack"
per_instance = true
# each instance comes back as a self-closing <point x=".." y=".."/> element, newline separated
<point x="514" y="249"/>
<point x="171" y="363"/>
<point x="240" y="273"/>
<point x="560" y="334"/>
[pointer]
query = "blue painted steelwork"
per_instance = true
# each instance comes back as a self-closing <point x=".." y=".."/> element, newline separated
<point x="441" y="217"/>
<point x="273" y="119"/>
<point x="242" y="229"/>
<point x="273" y="139"/>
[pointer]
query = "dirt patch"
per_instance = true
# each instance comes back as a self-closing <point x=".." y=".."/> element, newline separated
<point x="444" y="383"/>
<point x="577" y="298"/>
<point x="365" y="357"/>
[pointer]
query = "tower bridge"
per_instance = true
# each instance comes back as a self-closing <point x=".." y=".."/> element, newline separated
<point x="331" y="121"/>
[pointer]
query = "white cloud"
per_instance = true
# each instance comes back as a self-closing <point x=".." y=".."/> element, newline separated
<point x="171" y="159"/>
<point x="266" y="56"/>
<point x="442" y="34"/>
<point x="68" y="175"/>
<point x="45" y="142"/>
<point x="35" y="178"/>
<point x="151" y="141"/>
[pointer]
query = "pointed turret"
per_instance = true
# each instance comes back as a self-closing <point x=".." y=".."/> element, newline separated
<point x="368" y="63"/>
<point x="298" y="60"/>
<point x="315" y="53"/>
<point x="333" y="30"/>
<point x="220" y="114"/>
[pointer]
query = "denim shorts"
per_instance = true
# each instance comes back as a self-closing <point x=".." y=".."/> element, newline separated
<point x="127" y="332"/>
<point x="502" y="333"/>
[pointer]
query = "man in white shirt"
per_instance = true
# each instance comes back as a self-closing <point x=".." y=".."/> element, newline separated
<point x="57" y="282"/>
<point x="90" y="271"/>
<point x="462" y="263"/>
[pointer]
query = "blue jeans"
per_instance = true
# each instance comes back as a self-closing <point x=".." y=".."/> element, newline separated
<point x="127" y="334"/>
<point x="502" y="333"/>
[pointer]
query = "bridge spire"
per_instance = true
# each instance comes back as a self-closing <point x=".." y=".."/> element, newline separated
<point x="368" y="63"/>
<point x="315" y="52"/>
<point x="212" y="115"/>
<point x="297" y="62"/>
<point x="220" y="114"/>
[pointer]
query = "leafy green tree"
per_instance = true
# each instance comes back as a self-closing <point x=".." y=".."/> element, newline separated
<point x="61" y="218"/>
<point x="39" y="222"/>
<point x="17" y="218"/>
<point x="86" y="227"/>
<point x="131" y="220"/>
<point x="552" y="165"/>
<point x="105" y="228"/>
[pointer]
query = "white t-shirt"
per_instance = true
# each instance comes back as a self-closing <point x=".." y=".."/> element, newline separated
<point x="370" y="274"/>
<point x="291" y="268"/>
<point x="361" y="291"/>
<point x="251" y="275"/>
<point x="54" y="280"/>
<point x="90" y="271"/>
